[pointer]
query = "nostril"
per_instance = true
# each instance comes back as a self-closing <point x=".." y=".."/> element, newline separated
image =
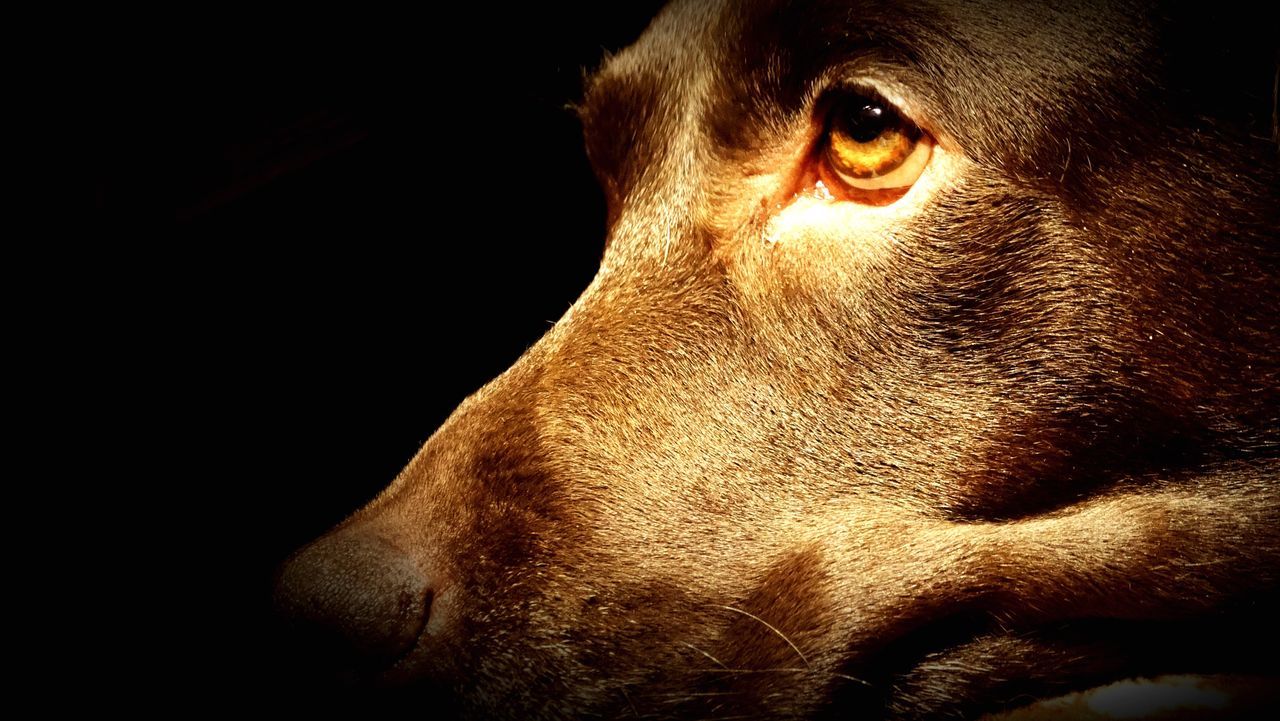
<point x="354" y="596"/>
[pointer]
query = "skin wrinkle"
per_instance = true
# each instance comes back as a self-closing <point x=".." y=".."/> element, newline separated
<point x="1011" y="436"/>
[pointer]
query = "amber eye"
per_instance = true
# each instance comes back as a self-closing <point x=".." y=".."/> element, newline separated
<point x="869" y="147"/>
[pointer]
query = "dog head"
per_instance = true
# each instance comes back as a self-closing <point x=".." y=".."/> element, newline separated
<point x="931" y="361"/>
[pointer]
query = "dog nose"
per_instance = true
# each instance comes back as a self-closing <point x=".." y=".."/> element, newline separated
<point x="354" y="598"/>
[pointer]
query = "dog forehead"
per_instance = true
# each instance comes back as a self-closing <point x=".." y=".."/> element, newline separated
<point x="1001" y="80"/>
<point x="976" y="68"/>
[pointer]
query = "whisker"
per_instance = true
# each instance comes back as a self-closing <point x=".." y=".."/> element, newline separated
<point x="756" y="670"/>
<point x="704" y="653"/>
<point x="854" y="679"/>
<point x="627" y="696"/>
<point x="726" y="670"/>
<point x="771" y="628"/>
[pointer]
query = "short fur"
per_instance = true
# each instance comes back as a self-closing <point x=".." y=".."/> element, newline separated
<point x="1024" y="442"/>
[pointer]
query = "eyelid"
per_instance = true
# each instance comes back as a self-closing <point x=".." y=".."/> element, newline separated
<point x="879" y="190"/>
<point x="805" y="176"/>
<point x="844" y="80"/>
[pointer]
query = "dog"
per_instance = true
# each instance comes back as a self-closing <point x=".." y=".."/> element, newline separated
<point x="931" y="370"/>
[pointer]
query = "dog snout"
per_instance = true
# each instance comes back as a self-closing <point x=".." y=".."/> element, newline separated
<point x="354" y="600"/>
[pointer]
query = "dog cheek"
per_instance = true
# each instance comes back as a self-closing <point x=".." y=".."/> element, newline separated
<point x="773" y="647"/>
<point x="793" y="601"/>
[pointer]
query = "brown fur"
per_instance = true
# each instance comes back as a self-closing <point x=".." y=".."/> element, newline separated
<point x="1023" y="442"/>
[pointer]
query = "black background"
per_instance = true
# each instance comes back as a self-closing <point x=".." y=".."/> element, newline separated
<point x="334" y="229"/>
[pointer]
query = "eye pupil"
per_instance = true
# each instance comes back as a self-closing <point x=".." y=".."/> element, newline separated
<point x="867" y="122"/>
